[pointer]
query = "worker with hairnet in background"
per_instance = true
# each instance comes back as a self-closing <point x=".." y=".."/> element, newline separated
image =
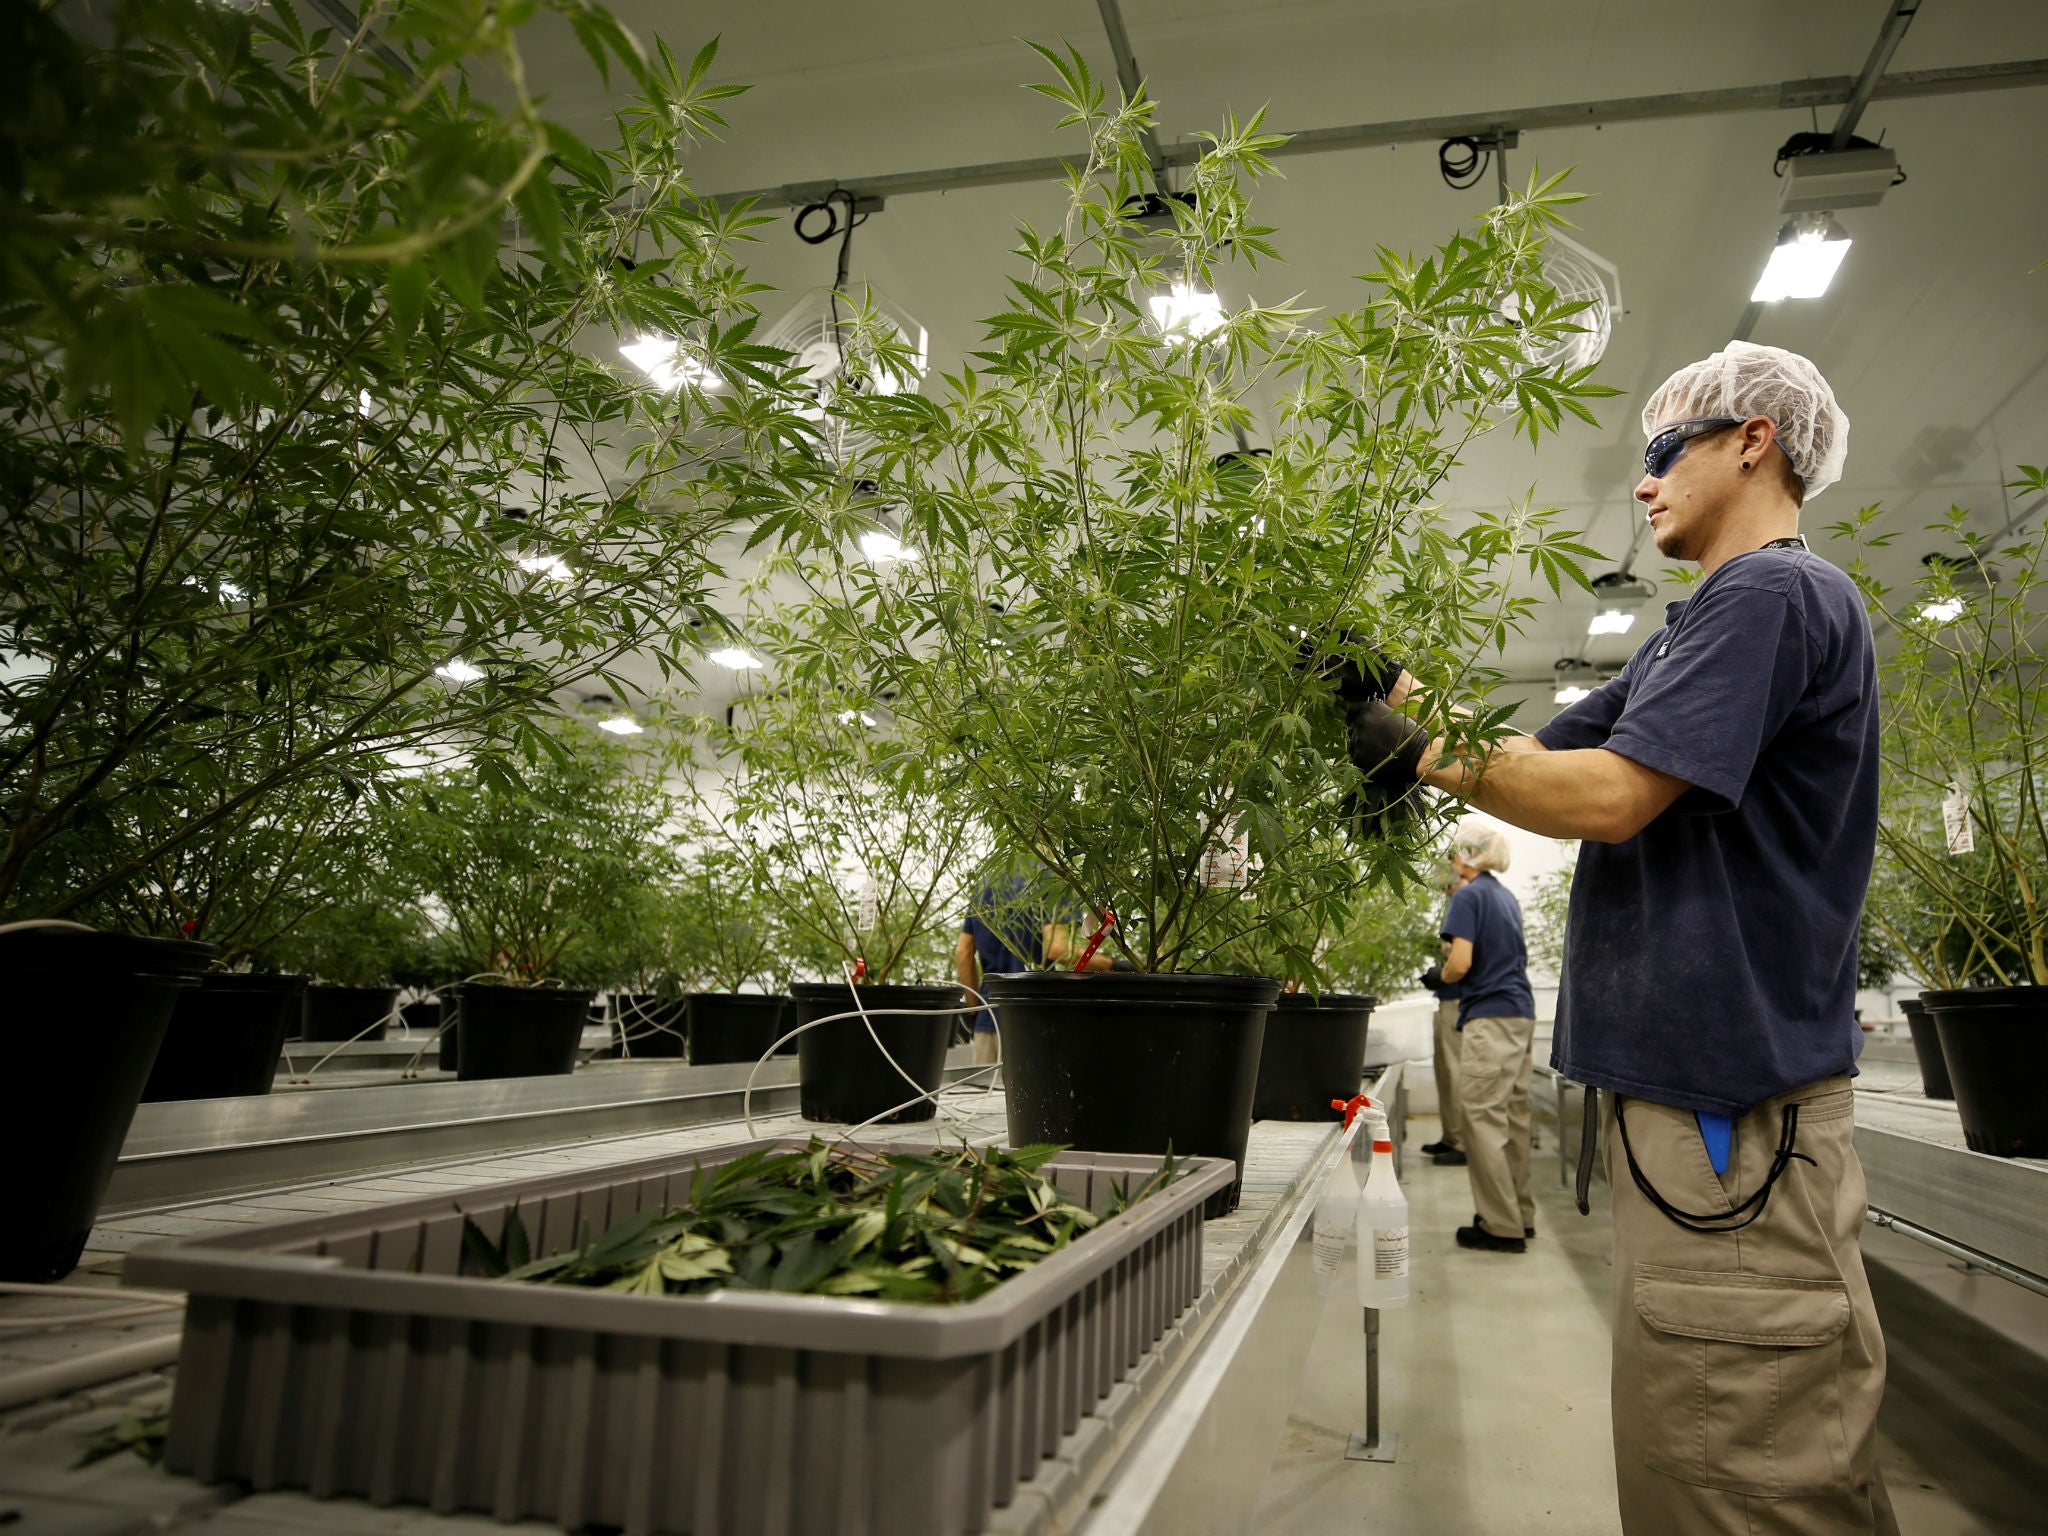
<point x="1725" y="785"/>
<point x="1448" y="1150"/>
<point x="1496" y="1028"/>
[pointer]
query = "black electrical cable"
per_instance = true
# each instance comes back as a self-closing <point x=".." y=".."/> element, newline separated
<point x="828" y="205"/>
<point x="1463" y="161"/>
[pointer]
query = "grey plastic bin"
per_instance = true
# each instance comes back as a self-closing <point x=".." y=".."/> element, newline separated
<point x="347" y="1355"/>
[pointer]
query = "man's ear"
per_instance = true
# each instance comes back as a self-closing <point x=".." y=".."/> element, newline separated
<point x="1756" y="434"/>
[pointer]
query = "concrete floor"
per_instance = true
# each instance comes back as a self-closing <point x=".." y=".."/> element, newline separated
<point x="1495" y="1379"/>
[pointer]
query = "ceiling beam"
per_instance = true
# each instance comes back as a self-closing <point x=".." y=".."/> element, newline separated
<point x="1827" y="91"/>
<point x="1131" y="80"/>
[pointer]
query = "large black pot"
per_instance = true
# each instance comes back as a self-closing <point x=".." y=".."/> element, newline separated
<point x="90" y="1010"/>
<point x="735" y="1026"/>
<point x="225" y="1036"/>
<point x="518" y="1031"/>
<point x="1927" y="1047"/>
<point x="1130" y="1061"/>
<point x="335" y="1014"/>
<point x="1995" y="1041"/>
<point x="1314" y="1052"/>
<point x="845" y="1077"/>
<point x="649" y="1025"/>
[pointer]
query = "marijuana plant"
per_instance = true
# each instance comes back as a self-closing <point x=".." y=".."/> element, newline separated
<point x="1119" y="632"/>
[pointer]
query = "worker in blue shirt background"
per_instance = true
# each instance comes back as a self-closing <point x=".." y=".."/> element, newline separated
<point x="1448" y="1150"/>
<point x="1497" y="1027"/>
<point x="1726" y="788"/>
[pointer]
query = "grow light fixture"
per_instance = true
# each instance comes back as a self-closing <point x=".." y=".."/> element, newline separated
<point x="1611" y="621"/>
<point x="1186" y="312"/>
<point x="737" y="660"/>
<point x="1810" y="247"/>
<point x="456" y="670"/>
<point x="548" y="567"/>
<point x="1943" y="611"/>
<point x="668" y="365"/>
<point x="880" y="548"/>
<point x="856" y="717"/>
<point x="1572" y="693"/>
<point x="621" y="725"/>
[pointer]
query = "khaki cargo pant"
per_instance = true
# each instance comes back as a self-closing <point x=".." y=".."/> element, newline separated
<point x="1446" y="1056"/>
<point x="1493" y="1095"/>
<point x="1748" y="1366"/>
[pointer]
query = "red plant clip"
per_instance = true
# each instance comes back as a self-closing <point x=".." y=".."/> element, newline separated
<point x="1095" y="940"/>
<point x="860" y="970"/>
<point x="1351" y="1107"/>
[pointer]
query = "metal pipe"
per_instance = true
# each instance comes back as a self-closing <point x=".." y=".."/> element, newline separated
<point x="46" y="1381"/>
<point x="348" y="23"/>
<point x="1896" y="20"/>
<point x="1128" y="77"/>
<point x="1821" y="92"/>
<point x="1955" y="1250"/>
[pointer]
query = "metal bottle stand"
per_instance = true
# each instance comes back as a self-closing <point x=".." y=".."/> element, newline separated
<point x="1372" y="1445"/>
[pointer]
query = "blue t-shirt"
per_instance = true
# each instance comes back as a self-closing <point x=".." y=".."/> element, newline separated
<point x="1710" y="960"/>
<point x="1496" y="985"/>
<point x="1007" y="940"/>
<point x="1447" y="991"/>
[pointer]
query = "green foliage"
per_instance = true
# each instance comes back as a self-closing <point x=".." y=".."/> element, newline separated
<point x="724" y="933"/>
<point x="831" y="1220"/>
<point x="1116" y="637"/>
<point x="1543" y="919"/>
<point x="1962" y="710"/>
<point x="540" y="875"/>
<point x="1387" y="937"/>
<point x="276" y="372"/>
<point x="846" y="834"/>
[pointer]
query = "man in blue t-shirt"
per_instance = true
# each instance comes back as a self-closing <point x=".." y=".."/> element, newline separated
<point x="1002" y="935"/>
<point x="1496" y="1027"/>
<point x="1725" y="784"/>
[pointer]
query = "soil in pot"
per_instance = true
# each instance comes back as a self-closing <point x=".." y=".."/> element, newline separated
<point x="93" y="1009"/>
<point x="335" y="1014"/>
<point x="844" y="1075"/>
<point x="519" y="1031"/>
<point x="1314" y="1051"/>
<point x="1130" y="1061"/>
<point x="647" y="1024"/>
<point x="1927" y="1047"/>
<point x="225" y="1036"/>
<point x="735" y="1026"/>
<point x="1995" y="1042"/>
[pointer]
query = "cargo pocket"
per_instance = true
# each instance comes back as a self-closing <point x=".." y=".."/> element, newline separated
<point x="1741" y="1380"/>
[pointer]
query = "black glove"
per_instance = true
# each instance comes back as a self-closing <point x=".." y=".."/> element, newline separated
<point x="1386" y="746"/>
<point x="1357" y="682"/>
<point x="1433" y="978"/>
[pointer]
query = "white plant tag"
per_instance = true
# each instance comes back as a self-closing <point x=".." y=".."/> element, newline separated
<point x="1955" y="815"/>
<point x="1228" y="865"/>
<point x="869" y="917"/>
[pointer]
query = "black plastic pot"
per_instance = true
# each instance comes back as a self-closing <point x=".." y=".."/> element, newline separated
<point x="649" y="1024"/>
<point x="91" y="1010"/>
<point x="1130" y="1061"/>
<point x="518" y="1031"/>
<point x="844" y="1076"/>
<point x="335" y="1014"/>
<point x="1927" y="1047"/>
<point x="1995" y="1041"/>
<point x="735" y="1026"/>
<point x="225" y="1036"/>
<point x="1314" y="1051"/>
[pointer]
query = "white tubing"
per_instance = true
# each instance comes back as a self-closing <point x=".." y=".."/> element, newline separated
<point x="66" y="1376"/>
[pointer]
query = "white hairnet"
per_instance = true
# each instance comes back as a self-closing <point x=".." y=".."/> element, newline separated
<point x="1480" y="844"/>
<point x="1746" y="380"/>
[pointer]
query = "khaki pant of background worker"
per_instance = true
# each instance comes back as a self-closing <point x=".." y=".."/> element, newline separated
<point x="1748" y="1366"/>
<point x="987" y="1047"/>
<point x="1493" y="1094"/>
<point x="1446" y="1054"/>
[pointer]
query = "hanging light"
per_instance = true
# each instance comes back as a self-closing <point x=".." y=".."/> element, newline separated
<point x="547" y="567"/>
<point x="668" y="365"/>
<point x="856" y="717"/>
<point x="1186" y="312"/>
<point x="736" y="659"/>
<point x="1572" y="694"/>
<point x="881" y="548"/>
<point x="1611" y="621"/>
<point x="1943" y="611"/>
<point x="1810" y="247"/>
<point x="458" y="671"/>
<point x="621" y="725"/>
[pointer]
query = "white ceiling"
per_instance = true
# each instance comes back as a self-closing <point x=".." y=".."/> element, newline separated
<point x="1934" y="335"/>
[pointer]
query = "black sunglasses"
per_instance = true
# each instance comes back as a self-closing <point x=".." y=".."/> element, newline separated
<point x="1663" y="449"/>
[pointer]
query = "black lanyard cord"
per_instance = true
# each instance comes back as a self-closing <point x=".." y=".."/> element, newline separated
<point x="1720" y="1221"/>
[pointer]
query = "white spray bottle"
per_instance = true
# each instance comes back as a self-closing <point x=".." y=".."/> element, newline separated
<point x="1382" y="1224"/>
<point x="1337" y="1208"/>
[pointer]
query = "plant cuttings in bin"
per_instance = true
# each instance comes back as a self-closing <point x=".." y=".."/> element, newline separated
<point x="830" y="1220"/>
